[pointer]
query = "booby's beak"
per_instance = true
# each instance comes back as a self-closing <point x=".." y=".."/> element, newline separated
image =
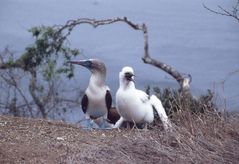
<point x="85" y="63"/>
<point x="129" y="76"/>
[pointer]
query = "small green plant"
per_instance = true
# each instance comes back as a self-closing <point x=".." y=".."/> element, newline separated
<point x="45" y="60"/>
<point x="49" y="53"/>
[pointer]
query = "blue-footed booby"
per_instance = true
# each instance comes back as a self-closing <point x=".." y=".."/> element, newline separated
<point x="97" y="99"/>
<point x="135" y="105"/>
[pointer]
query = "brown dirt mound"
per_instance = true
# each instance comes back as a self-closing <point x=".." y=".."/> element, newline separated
<point x="24" y="140"/>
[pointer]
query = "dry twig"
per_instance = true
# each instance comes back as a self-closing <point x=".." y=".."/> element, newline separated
<point x="184" y="81"/>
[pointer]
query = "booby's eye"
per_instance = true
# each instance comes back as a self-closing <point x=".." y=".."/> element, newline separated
<point x="128" y="76"/>
<point x="88" y="63"/>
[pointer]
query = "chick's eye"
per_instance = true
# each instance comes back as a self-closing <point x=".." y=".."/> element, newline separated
<point x="128" y="75"/>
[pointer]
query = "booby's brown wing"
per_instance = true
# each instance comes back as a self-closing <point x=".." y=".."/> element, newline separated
<point x="113" y="115"/>
<point x="108" y="99"/>
<point x="84" y="103"/>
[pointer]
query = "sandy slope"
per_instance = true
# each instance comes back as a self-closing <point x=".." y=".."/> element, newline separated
<point x="25" y="140"/>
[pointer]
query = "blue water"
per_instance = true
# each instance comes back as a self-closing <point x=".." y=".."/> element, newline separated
<point x="181" y="33"/>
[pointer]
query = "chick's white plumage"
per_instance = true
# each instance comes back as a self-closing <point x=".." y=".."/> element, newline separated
<point x="135" y="105"/>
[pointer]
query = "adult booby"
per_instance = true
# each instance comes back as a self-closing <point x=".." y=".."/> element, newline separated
<point x="135" y="105"/>
<point x="97" y="99"/>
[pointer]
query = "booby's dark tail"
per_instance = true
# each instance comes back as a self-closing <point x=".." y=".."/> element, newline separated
<point x="113" y="115"/>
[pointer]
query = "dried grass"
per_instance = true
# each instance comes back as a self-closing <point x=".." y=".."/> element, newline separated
<point x="196" y="137"/>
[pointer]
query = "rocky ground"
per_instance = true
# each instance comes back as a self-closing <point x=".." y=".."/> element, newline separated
<point x="24" y="140"/>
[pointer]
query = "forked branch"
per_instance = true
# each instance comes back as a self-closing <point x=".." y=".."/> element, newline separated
<point x="184" y="81"/>
<point x="225" y="12"/>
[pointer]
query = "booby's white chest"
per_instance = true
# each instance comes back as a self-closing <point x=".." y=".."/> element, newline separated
<point x="133" y="107"/>
<point x="96" y="101"/>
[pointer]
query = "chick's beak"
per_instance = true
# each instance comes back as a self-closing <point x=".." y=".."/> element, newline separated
<point x="129" y="76"/>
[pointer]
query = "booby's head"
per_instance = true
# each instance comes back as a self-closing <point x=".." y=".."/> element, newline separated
<point x="126" y="76"/>
<point x="94" y="65"/>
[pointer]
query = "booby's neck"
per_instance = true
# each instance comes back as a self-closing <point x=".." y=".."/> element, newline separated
<point x="97" y="79"/>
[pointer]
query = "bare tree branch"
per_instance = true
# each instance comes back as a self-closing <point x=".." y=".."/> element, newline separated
<point x="184" y="81"/>
<point x="8" y="65"/>
<point x="222" y="11"/>
<point x="45" y="103"/>
<point x="15" y="84"/>
<point x="32" y="89"/>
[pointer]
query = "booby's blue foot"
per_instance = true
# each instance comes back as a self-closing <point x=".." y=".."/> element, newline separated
<point x="89" y="124"/>
<point x="106" y="125"/>
<point x="103" y="123"/>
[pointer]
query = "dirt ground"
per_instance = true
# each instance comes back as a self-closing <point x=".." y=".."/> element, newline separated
<point x="25" y="140"/>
